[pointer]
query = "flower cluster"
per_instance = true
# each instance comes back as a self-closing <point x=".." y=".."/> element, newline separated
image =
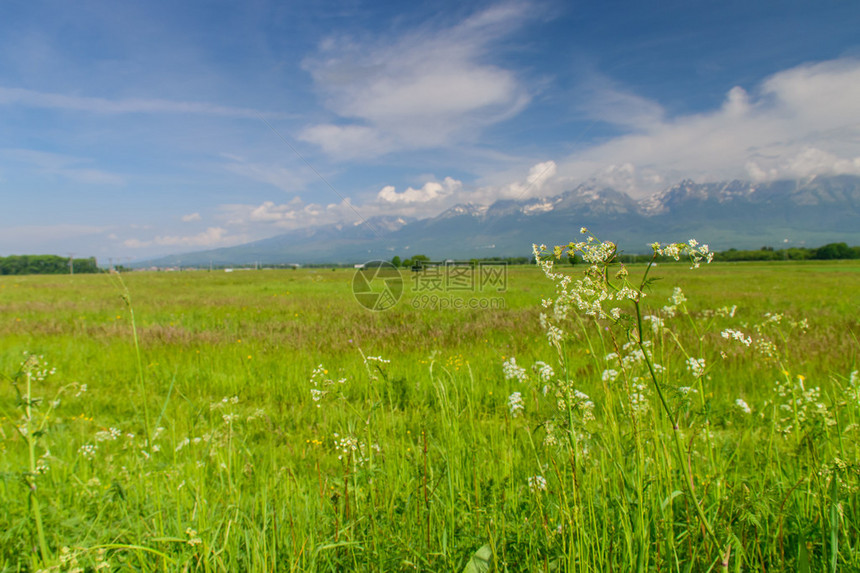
<point x="353" y="450"/>
<point x="731" y="334"/>
<point x="696" y="253"/>
<point x="373" y="365"/>
<point x="537" y="484"/>
<point x="35" y="366"/>
<point x="544" y="371"/>
<point x="676" y="301"/>
<point x="696" y="366"/>
<point x="88" y="451"/>
<point x="225" y="401"/>
<point x="515" y="404"/>
<point x="743" y="406"/>
<point x="110" y="434"/>
<point x="587" y="294"/>
<point x="594" y="293"/>
<point x="513" y="371"/>
<point x="802" y="408"/>
<point x="322" y="384"/>
<point x="638" y="397"/>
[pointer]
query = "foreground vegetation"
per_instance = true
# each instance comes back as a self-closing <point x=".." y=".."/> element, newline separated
<point x="264" y="421"/>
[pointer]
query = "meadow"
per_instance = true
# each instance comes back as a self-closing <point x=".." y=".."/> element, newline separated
<point x="265" y="421"/>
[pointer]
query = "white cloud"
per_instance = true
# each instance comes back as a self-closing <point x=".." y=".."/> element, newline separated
<point x="211" y="237"/>
<point x="58" y="239"/>
<point x="430" y="191"/>
<point x="425" y="88"/>
<point x="269" y="212"/>
<point x="426" y="200"/>
<point x="348" y="141"/>
<point x="292" y="214"/>
<point x="46" y="100"/>
<point x="191" y="217"/>
<point x="66" y="166"/>
<point x="91" y="176"/>
<point x="807" y="163"/>
<point x="276" y="175"/>
<point x="795" y="124"/>
<point x="45" y="233"/>
<point x="801" y="122"/>
<point x="604" y="100"/>
<point x="540" y="181"/>
<point x="538" y="175"/>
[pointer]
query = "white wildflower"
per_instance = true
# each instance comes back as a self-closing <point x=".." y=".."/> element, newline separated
<point x="727" y="312"/>
<point x="743" y="406"/>
<point x="731" y="334"/>
<point x="513" y="371"/>
<point x="515" y="403"/>
<point x="773" y="317"/>
<point x="696" y="366"/>
<point x="544" y="370"/>
<point x="88" y="451"/>
<point x="609" y="375"/>
<point x="110" y="434"/>
<point x="638" y="400"/>
<point x="537" y="484"/>
<point x="677" y="298"/>
<point x="554" y="334"/>
<point x="671" y="250"/>
<point x="42" y="465"/>
<point x="656" y="322"/>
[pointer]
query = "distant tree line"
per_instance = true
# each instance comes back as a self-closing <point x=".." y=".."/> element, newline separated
<point x="829" y="252"/>
<point x="46" y="265"/>
<point x="421" y="260"/>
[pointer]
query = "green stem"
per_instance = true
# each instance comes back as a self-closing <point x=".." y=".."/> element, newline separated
<point x="31" y="478"/>
<point x="640" y="343"/>
<point x="675" y="432"/>
<point x="126" y="297"/>
<point x="140" y="378"/>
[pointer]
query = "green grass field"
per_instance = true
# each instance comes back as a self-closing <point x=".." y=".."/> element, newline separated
<point x="198" y="444"/>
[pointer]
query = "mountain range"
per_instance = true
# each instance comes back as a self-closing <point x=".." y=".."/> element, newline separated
<point x="734" y="214"/>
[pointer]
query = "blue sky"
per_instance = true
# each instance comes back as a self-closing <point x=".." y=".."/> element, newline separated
<point x="135" y="129"/>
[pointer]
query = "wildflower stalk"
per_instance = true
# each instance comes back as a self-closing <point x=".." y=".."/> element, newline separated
<point x="676" y="432"/>
<point x="125" y="295"/>
<point x="588" y="295"/>
<point x="31" y="475"/>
